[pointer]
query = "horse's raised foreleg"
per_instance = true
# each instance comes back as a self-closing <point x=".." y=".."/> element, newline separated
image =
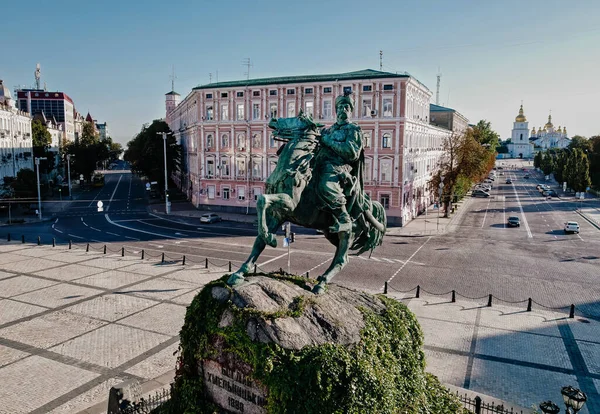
<point x="280" y="203"/>
<point x="258" y="247"/>
<point x="339" y="261"/>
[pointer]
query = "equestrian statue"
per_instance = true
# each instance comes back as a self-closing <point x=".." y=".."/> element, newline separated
<point x="318" y="183"/>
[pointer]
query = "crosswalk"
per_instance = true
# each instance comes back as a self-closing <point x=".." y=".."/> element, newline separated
<point x="94" y="213"/>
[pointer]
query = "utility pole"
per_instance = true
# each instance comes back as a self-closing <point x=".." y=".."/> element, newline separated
<point x="37" y="164"/>
<point x="167" y="203"/>
<point x="248" y="63"/>
<point x="381" y="60"/>
<point x="437" y="89"/>
<point x="69" y="175"/>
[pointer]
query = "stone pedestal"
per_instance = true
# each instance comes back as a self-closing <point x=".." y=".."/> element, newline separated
<point x="271" y="346"/>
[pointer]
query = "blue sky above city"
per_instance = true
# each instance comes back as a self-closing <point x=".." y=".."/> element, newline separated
<point x="114" y="58"/>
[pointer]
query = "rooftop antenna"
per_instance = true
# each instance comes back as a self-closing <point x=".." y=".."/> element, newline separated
<point x="210" y="77"/>
<point x="248" y="63"/>
<point x="381" y="60"/>
<point x="217" y="76"/>
<point x="173" y="77"/>
<point x="38" y="75"/>
<point x="437" y="88"/>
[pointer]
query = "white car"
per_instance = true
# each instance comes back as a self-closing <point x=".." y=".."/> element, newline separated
<point x="571" y="227"/>
<point x="210" y="218"/>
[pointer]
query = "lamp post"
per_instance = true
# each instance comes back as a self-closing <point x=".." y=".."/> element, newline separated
<point x="548" y="407"/>
<point x="37" y="164"/>
<point x="167" y="204"/>
<point x="573" y="398"/>
<point x="69" y="175"/>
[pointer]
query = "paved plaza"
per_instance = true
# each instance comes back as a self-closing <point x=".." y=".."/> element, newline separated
<point x="72" y="324"/>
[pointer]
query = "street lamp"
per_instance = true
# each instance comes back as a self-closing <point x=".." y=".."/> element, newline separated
<point x="574" y="399"/>
<point x="167" y="204"/>
<point x="548" y="407"/>
<point x="37" y="164"/>
<point x="69" y="175"/>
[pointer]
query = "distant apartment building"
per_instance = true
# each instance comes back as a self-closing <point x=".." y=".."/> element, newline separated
<point x="229" y="150"/>
<point x="56" y="132"/>
<point x="16" y="152"/>
<point x="102" y="130"/>
<point x="53" y="104"/>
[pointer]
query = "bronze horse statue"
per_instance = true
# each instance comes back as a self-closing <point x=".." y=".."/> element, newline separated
<point x="290" y="195"/>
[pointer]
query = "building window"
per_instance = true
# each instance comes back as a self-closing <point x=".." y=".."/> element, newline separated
<point x="272" y="142"/>
<point x="224" y="112"/>
<point x="388" y="87"/>
<point x="327" y="90"/>
<point x="240" y="112"/>
<point x="291" y="109"/>
<point x="347" y="90"/>
<point x="327" y="113"/>
<point x="308" y="91"/>
<point x="257" y="192"/>
<point x="224" y="95"/>
<point x="211" y="192"/>
<point x="209" y="113"/>
<point x="273" y="110"/>
<point x="272" y="165"/>
<point x="241" y="191"/>
<point x="385" y="171"/>
<point x="256" y="93"/>
<point x="384" y="199"/>
<point x="310" y="109"/>
<point x="257" y="169"/>
<point x="367" y="139"/>
<point x="521" y="137"/>
<point x="225" y="167"/>
<point x="241" y="141"/>
<point x="209" y="96"/>
<point x="241" y="168"/>
<point x="273" y="92"/>
<point x="226" y="193"/>
<point x="256" y="141"/>
<point x="210" y="168"/>
<point x="239" y="94"/>
<point x="210" y="141"/>
<point x="367" y="88"/>
<point x="385" y="141"/>
<point x="224" y="141"/>
<point x="291" y="91"/>
<point x="368" y="170"/>
<point x="255" y="111"/>
<point x="387" y="107"/>
<point x="366" y="107"/>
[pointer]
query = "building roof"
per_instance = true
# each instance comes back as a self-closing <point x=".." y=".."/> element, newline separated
<point x="42" y="94"/>
<point x="439" y="108"/>
<point x="89" y="118"/>
<point x="361" y="74"/>
<point x="172" y="93"/>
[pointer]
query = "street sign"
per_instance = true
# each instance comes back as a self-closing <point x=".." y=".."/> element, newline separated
<point x="100" y="204"/>
<point x="564" y="186"/>
<point x="148" y="186"/>
<point x="286" y="242"/>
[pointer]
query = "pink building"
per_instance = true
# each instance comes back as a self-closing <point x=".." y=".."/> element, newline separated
<point x="229" y="150"/>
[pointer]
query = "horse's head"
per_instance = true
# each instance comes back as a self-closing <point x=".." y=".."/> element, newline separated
<point x="289" y="128"/>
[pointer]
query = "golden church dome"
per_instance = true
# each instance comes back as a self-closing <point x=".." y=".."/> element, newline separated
<point x="549" y="123"/>
<point x="521" y="117"/>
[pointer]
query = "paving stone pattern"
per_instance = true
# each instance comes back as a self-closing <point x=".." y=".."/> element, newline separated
<point x="72" y="324"/>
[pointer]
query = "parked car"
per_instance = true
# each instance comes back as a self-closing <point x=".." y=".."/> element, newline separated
<point x="210" y="218"/>
<point x="552" y="193"/>
<point x="485" y="188"/>
<point x="526" y="176"/>
<point x="514" y="221"/>
<point x="571" y="227"/>
<point x="538" y="186"/>
<point x="480" y="193"/>
<point x="508" y="181"/>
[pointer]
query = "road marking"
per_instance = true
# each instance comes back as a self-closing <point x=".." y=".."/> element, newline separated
<point x="131" y="238"/>
<point x="84" y="223"/>
<point x="181" y="234"/>
<point x="77" y="237"/>
<point x="273" y="259"/>
<point x="96" y="241"/>
<point x="56" y="221"/>
<point x="93" y="228"/>
<point x="114" y="191"/>
<point x="319" y="265"/>
<point x="408" y="260"/>
<point x="60" y="231"/>
<point x="388" y="260"/>
<point x="113" y="234"/>
<point x="160" y="246"/>
<point x="522" y="213"/>
<point x="486" y="211"/>
<point x="137" y="230"/>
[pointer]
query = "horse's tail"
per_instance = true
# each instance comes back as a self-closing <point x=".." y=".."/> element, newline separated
<point x="373" y="237"/>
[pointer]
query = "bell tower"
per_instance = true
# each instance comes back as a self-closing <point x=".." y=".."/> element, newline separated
<point x="520" y="132"/>
<point x="171" y="101"/>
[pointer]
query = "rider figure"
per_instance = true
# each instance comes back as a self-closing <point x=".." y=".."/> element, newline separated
<point x="341" y="146"/>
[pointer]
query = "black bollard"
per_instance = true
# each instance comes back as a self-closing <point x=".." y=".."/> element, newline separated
<point x="308" y="275"/>
<point x="255" y="267"/>
<point x="122" y="252"/>
<point x="385" y="288"/>
<point x="70" y="242"/>
<point x="529" y="305"/>
<point x="39" y="241"/>
<point x="206" y="263"/>
<point x="53" y="242"/>
<point x="490" y="300"/>
<point x="87" y="248"/>
<point x="230" y="265"/>
<point x="453" y="296"/>
<point x="8" y="237"/>
<point x="105" y="249"/>
<point x="162" y="260"/>
<point x="572" y="311"/>
<point x="183" y="261"/>
<point x="142" y="254"/>
<point x="22" y="238"/>
<point x="418" y="291"/>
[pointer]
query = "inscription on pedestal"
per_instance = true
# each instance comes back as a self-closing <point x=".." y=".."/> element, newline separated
<point x="232" y="390"/>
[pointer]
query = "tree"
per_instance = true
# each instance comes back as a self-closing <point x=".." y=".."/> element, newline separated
<point x="581" y="143"/>
<point x="25" y="184"/>
<point x="560" y="165"/>
<point x="547" y="165"/>
<point x="42" y="140"/>
<point x="577" y="171"/>
<point x="483" y="133"/>
<point x="145" y="152"/>
<point x="594" y="158"/>
<point x="86" y="151"/>
<point x="537" y="160"/>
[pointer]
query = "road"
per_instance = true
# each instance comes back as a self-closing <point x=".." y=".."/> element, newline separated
<point x="480" y="256"/>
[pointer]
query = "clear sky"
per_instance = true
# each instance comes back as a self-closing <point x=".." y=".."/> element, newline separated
<point x="114" y="58"/>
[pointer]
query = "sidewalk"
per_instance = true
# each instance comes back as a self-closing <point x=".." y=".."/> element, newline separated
<point x="73" y="324"/>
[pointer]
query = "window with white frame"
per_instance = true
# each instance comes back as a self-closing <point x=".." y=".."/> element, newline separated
<point x="224" y="112"/>
<point x="291" y="109"/>
<point x="240" y="112"/>
<point x="385" y="171"/>
<point x="367" y="139"/>
<point x="386" y="140"/>
<point x="211" y="192"/>
<point x="368" y="169"/>
<point x="241" y="141"/>
<point x="255" y="111"/>
<point x="273" y="109"/>
<point x="367" y="105"/>
<point x="384" y="199"/>
<point x="241" y="168"/>
<point x="327" y="112"/>
<point x="387" y="107"/>
<point x="224" y="167"/>
<point x="226" y="193"/>
<point x="256" y="141"/>
<point x="310" y="108"/>
<point x="241" y="191"/>
<point x="209" y="113"/>
<point x="225" y="141"/>
<point x="210" y="168"/>
<point x="272" y="165"/>
<point x="257" y="169"/>
<point x="272" y="142"/>
<point x="257" y="192"/>
<point x="210" y="141"/>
